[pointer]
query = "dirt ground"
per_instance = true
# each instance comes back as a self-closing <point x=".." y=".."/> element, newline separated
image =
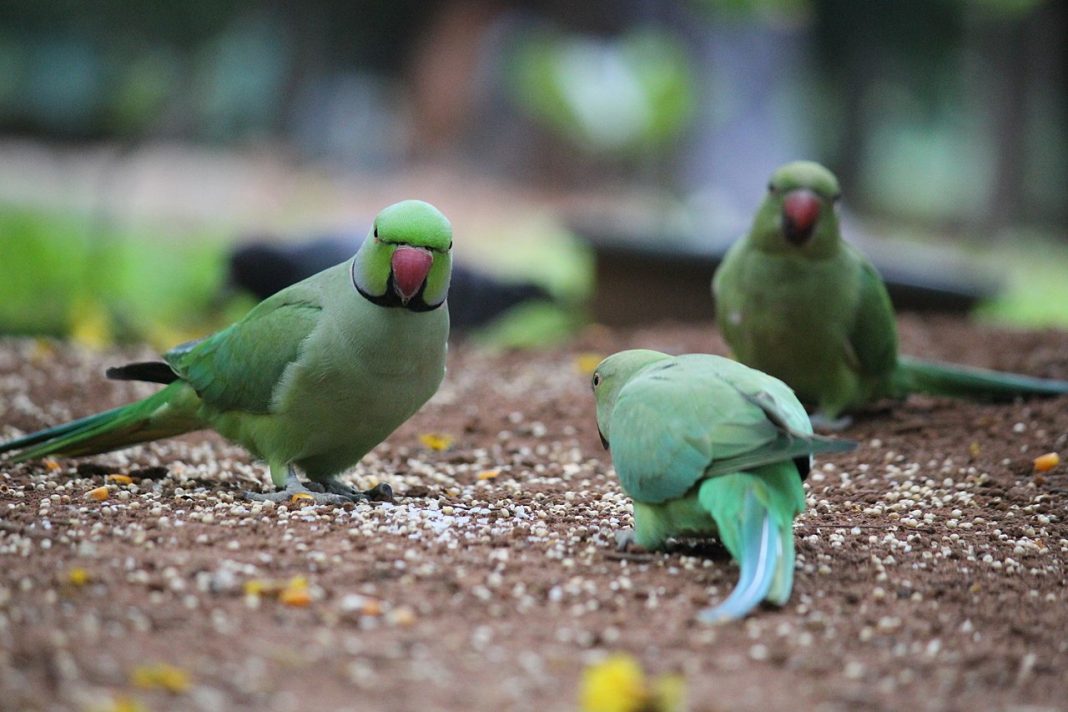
<point x="932" y="561"/>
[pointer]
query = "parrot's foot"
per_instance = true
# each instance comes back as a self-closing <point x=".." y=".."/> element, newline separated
<point x="298" y="494"/>
<point x="625" y="539"/>
<point x="830" y="425"/>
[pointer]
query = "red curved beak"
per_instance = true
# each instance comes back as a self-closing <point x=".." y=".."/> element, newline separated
<point x="800" y="211"/>
<point x="410" y="268"/>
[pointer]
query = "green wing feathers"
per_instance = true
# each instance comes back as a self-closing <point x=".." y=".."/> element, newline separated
<point x="239" y="367"/>
<point x="873" y="333"/>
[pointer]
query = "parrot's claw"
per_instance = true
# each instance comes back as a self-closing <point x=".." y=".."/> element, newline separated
<point x="625" y="539"/>
<point x="830" y="425"/>
<point x="381" y="492"/>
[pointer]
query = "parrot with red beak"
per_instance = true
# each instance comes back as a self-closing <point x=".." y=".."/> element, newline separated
<point x="311" y="378"/>
<point x="796" y="301"/>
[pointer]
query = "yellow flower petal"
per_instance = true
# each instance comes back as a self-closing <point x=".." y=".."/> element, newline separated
<point x="256" y="587"/>
<point x="119" y="479"/>
<point x="301" y="498"/>
<point x="160" y="676"/>
<point x="299" y="597"/>
<point x="616" y="684"/>
<point x="1045" y="463"/>
<point x="670" y="693"/>
<point x="436" y="441"/>
<point x="77" y="576"/>
<point x="98" y="493"/>
<point x="121" y="703"/>
<point x="586" y="363"/>
<point x="488" y="474"/>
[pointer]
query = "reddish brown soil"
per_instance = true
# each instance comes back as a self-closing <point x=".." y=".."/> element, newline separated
<point x="931" y="574"/>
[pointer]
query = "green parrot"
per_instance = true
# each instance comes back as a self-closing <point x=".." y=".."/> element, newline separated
<point x="311" y="378"/>
<point x="705" y="446"/>
<point x="796" y="301"/>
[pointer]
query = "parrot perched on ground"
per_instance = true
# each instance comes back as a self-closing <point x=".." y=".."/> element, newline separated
<point x="796" y="301"/>
<point x="312" y="377"/>
<point x="706" y="446"/>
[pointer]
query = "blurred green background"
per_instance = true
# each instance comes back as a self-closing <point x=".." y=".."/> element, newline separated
<point x="140" y="141"/>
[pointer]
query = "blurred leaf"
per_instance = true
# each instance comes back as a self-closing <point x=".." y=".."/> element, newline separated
<point x="613" y="96"/>
<point x="1035" y="268"/>
<point x="531" y="325"/>
<point x="66" y="275"/>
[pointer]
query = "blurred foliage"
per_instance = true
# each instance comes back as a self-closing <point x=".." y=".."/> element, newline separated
<point x="623" y="95"/>
<point x="544" y="251"/>
<point x="533" y="325"/>
<point x="1034" y="266"/>
<point x="68" y="275"/>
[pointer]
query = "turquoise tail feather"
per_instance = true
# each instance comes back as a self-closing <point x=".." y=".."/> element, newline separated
<point x="171" y="411"/>
<point x="754" y="513"/>
<point x="761" y="551"/>
<point x="915" y="375"/>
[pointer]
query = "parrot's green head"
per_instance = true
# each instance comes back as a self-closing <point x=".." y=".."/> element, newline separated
<point x="406" y="261"/>
<point x="609" y="378"/>
<point x="799" y="213"/>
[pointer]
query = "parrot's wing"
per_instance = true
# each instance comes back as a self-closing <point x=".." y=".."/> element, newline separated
<point x="664" y="437"/>
<point x="871" y="344"/>
<point x="794" y="440"/>
<point x="239" y="367"/>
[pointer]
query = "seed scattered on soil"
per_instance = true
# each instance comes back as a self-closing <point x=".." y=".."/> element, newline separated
<point x="927" y="570"/>
<point x="1045" y="463"/>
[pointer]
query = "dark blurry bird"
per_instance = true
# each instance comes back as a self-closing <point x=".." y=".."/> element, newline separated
<point x="264" y="265"/>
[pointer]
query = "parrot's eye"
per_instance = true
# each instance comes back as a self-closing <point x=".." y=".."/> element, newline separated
<point x="376" y="232"/>
<point x="596" y="380"/>
<point x="771" y="187"/>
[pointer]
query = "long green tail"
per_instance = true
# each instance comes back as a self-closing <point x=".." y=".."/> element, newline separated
<point x="172" y="411"/>
<point x="754" y="515"/>
<point x="915" y="375"/>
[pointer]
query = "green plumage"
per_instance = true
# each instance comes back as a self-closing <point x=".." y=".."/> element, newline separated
<point x="704" y="445"/>
<point x="795" y="301"/>
<point x="312" y="377"/>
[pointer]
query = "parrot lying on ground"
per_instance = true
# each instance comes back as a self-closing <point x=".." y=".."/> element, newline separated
<point x="706" y="446"/>
<point x="793" y="299"/>
<point x="312" y="377"/>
